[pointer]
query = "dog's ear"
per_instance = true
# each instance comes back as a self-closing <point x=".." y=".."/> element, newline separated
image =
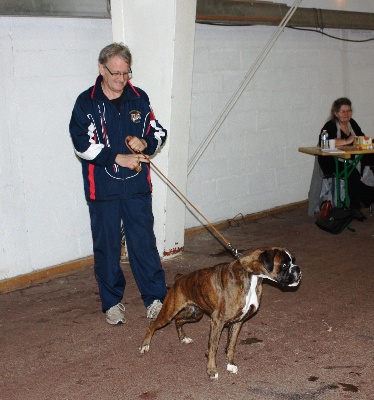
<point x="255" y="261"/>
<point x="266" y="258"/>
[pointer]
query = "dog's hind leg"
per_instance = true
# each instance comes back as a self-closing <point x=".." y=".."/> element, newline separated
<point x="232" y="338"/>
<point x="188" y="315"/>
<point x="216" y="327"/>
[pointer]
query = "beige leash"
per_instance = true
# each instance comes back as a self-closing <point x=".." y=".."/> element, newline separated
<point x="227" y="243"/>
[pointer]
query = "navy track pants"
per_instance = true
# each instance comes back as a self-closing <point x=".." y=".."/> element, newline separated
<point x="137" y="217"/>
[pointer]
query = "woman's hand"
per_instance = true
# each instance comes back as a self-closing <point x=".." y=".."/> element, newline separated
<point x="131" y="161"/>
<point x="350" y="139"/>
<point x="344" y="142"/>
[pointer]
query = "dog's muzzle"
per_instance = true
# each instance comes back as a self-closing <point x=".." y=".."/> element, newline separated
<point x="295" y="274"/>
<point x="290" y="277"/>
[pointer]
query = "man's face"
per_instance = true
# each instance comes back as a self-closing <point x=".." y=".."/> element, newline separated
<point x="115" y="75"/>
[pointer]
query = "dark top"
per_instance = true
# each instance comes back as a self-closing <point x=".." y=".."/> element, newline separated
<point x="327" y="164"/>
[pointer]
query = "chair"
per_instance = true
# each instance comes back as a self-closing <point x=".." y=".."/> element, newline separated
<point x="322" y="187"/>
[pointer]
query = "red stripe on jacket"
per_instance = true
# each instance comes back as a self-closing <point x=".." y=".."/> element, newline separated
<point x="132" y="87"/>
<point x="91" y="180"/>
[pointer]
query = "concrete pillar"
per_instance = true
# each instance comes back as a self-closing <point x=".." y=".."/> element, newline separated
<point x="160" y="35"/>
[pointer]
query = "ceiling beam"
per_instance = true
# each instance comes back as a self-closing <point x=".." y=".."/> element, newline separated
<point x="235" y="12"/>
<point x="56" y="8"/>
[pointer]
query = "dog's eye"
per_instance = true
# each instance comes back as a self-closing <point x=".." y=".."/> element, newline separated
<point x="284" y="266"/>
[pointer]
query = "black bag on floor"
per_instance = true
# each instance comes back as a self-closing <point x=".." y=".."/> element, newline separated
<point x="336" y="220"/>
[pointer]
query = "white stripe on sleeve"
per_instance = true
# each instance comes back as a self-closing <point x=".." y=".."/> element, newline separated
<point x="91" y="152"/>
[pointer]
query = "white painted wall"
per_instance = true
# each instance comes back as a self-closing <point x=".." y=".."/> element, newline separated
<point x="252" y="163"/>
<point x="47" y="62"/>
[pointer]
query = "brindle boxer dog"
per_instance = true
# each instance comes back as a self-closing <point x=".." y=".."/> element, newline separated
<point x="229" y="293"/>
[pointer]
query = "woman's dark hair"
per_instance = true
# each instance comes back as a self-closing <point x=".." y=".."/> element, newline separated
<point x="337" y="105"/>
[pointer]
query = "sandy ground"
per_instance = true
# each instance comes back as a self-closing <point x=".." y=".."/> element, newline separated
<point x="315" y="342"/>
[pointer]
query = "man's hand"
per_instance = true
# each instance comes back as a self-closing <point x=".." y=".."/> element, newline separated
<point x="136" y="144"/>
<point x="131" y="161"/>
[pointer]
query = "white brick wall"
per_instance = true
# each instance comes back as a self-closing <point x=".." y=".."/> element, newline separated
<point x="45" y="64"/>
<point x="252" y="163"/>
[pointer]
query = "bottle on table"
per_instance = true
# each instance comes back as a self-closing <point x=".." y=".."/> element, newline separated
<point x="324" y="140"/>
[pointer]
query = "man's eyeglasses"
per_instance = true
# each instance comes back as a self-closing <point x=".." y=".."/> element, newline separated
<point x="127" y="75"/>
<point x="345" y="111"/>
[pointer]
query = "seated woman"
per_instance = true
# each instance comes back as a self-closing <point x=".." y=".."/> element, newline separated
<point x="343" y="128"/>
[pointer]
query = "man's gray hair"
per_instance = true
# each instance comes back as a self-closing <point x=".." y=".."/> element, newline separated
<point x="115" y="49"/>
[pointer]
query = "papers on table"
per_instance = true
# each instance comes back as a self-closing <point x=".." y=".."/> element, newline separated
<point x="333" y="151"/>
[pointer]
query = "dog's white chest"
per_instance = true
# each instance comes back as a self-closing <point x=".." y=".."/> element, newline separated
<point x="251" y="299"/>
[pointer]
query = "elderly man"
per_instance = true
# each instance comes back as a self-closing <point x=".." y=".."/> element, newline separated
<point x="112" y="123"/>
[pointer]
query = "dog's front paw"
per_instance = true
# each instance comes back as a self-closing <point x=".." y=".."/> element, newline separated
<point x="144" y="349"/>
<point x="232" y="368"/>
<point x="213" y="376"/>
<point x="212" y="373"/>
<point x="187" y="340"/>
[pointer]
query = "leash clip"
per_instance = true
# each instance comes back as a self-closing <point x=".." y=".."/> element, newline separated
<point x="235" y="252"/>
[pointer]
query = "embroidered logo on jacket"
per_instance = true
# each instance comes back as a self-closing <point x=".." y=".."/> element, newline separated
<point x="135" y="116"/>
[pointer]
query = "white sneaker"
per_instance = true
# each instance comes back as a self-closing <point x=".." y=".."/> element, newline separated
<point x="154" y="309"/>
<point x="116" y="315"/>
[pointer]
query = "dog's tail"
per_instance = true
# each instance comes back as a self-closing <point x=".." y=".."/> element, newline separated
<point x="178" y="276"/>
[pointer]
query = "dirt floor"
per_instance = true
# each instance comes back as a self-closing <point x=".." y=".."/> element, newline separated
<point x="313" y="342"/>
